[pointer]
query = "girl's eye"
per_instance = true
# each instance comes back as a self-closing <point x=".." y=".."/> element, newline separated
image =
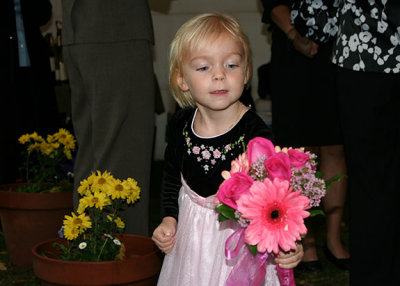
<point x="232" y="66"/>
<point x="202" y="69"/>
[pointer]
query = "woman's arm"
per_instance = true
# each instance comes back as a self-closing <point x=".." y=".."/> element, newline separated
<point x="280" y="15"/>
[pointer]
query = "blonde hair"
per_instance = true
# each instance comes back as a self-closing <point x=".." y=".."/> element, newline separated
<point x="192" y="34"/>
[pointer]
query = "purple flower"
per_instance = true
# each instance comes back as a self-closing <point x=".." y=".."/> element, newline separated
<point x="61" y="232"/>
<point x="304" y="180"/>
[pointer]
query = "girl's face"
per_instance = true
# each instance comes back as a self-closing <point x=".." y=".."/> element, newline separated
<point x="214" y="73"/>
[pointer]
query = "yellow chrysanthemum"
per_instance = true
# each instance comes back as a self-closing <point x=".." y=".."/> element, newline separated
<point x="83" y="204"/>
<point x="118" y="221"/>
<point x="48" y="149"/>
<point x="61" y="134"/>
<point x="71" y="232"/>
<point x="80" y="221"/>
<point x="134" y="191"/>
<point x="102" y="181"/>
<point x="91" y="178"/>
<point x="69" y="143"/>
<point x="36" y="137"/>
<point x="84" y="187"/>
<point x="24" y="138"/>
<point x="68" y="154"/>
<point x="98" y="200"/>
<point x="65" y="137"/>
<point x="34" y="146"/>
<point x="51" y="139"/>
<point x="119" y="189"/>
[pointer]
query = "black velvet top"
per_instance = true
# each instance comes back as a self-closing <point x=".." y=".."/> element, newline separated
<point x="201" y="160"/>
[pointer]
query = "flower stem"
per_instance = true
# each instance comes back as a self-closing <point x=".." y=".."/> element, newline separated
<point x="101" y="250"/>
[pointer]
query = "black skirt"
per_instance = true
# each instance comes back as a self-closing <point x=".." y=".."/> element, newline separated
<point x="304" y="103"/>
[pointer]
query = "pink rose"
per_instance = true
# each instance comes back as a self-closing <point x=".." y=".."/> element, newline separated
<point x="233" y="188"/>
<point x="278" y="166"/>
<point x="297" y="158"/>
<point x="258" y="147"/>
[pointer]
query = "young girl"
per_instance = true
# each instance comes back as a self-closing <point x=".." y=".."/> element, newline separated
<point x="210" y="64"/>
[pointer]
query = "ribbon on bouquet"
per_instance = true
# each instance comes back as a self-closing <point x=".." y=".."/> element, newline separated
<point x="250" y="269"/>
<point x="286" y="276"/>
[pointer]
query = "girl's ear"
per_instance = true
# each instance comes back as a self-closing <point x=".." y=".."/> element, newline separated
<point x="181" y="81"/>
<point x="246" y="79"/>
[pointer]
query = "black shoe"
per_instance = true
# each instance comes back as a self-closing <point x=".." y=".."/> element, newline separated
<point x="341" y="263"/>
<point x="310" y="266"/>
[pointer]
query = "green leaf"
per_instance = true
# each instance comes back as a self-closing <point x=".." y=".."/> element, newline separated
<point x="333" y="179"/>
<point x="319" y="174"/>
<point x="222" y="218"/>
<point x="227" y="211"/>
<point x="252" y="248"/>
<point x="315" y="212"/>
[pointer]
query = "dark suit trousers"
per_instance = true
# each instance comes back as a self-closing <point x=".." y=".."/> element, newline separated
<point x="370" y="116"/>
<point x="112" y="87"/>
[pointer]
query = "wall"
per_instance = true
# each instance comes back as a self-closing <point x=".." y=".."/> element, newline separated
<point x="168" y="15"/>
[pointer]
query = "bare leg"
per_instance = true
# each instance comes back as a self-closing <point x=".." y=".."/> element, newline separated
<point x="309" y="245"/>
<point x="333" y="163"/>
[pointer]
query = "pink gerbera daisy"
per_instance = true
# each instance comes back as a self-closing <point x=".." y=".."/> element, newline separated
<point x="276" y="215"/>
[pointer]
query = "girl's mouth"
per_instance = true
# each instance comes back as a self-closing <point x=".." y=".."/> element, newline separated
<point x="221" y="91"/>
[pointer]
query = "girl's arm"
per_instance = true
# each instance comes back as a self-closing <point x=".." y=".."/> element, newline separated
<point x="173" y="155"/>
<point x="164" y="234"/>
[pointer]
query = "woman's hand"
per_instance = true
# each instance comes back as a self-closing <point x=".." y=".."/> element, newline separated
<point x="302" y="44"/>
<point x="291" y="259"/>
<point x="164" y="234"/>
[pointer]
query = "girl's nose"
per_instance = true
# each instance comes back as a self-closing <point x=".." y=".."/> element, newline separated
<point x="219" y="75"/>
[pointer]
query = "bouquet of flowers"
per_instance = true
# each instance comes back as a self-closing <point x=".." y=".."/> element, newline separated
<point x="92" y="232"/>
<point x="45" y="163"/>
<point x="269" y="191"/>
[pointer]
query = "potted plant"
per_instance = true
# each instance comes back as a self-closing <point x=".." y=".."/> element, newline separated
<point x="31" y="210"/>
<point x="93" y="250"/>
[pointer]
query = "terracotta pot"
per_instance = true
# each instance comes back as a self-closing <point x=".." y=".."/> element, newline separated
<point x="141" y="266"/>
<point x="28" y="218"/>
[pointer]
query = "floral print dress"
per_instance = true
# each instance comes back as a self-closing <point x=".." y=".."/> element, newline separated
<point x="366" y="32"/>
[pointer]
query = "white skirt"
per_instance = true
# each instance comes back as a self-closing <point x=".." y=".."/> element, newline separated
<point x="198" y="257"/>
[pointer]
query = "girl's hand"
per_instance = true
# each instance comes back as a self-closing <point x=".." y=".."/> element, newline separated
<point x="288" y="260"/>
<point x="164" y="234"/>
